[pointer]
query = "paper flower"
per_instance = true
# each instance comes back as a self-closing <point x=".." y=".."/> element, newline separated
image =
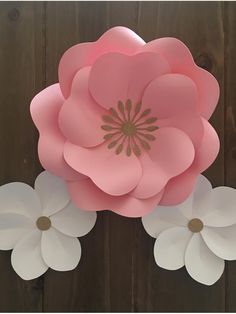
<point x="127" y="123"/>
<point x="41" y="226"/>
<point x="199" y="233"/>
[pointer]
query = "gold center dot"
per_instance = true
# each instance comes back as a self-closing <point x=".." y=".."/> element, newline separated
<point x="195" y="225"/>
<point x="128" y="128"/>
<point x="43" y="223"/>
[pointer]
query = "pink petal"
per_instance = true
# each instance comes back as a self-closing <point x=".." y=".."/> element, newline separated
<point x="113" y="174"/>
<point x="179" y="188"/>
<point x="44" y="109"/>
<point x="117" y="39"/>
<point x="50" y="150"/>
<point x="171" y="154"/>
<point x="87" y="196"/>
<point x="153" y="178"/>
<point x="170" y="95"/>
<point x="178" y="55"/>
<point x="80" y="118"/>
<point x="115" y="77"/>
<point x="209" y="149"/>
<point x="190" y="123"/>
<point x="172" y="151"/>
<point x="181" y="61"/>
<point x="208" y="90"/>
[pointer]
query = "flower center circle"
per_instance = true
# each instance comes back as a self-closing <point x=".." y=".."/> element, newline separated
<point x="43" y="223"/>
<point x="128" y="128"/>
<point x="195" y="225"/>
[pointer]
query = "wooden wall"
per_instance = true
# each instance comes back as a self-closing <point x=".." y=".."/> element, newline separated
<point x="117" y="270"/>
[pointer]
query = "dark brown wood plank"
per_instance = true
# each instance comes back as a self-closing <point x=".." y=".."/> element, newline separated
<point x="87" y="287"/>
<point x="230" y="129"/>
<point x="200" y="26"/>
<point x="21" y="76"/>
<point x="121" y="13"/>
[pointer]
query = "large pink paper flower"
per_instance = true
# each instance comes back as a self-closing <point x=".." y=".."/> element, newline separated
<point x="126" y="126"/>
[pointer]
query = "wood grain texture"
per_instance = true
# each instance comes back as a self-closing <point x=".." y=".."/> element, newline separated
<point x="117" y="271"/>
<point x="21" y="76"/>
<point x="230" y="131"/>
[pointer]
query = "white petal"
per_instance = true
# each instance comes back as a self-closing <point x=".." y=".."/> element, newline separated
<point x="202" y="188"/>
<point x="217" y="209"/>
<point x="59" y="251"/>
<point x="12" y="228"/>
<point x="52" y="192"/>
<point x="201" y="264"/>
<point x="222" y="241"/>
<point x="170" y="246"/>
<point x="26" y="256"/>
<point x="73" y="221"/>
<point x="20" y="198"/>
<point x="162" y="218"/>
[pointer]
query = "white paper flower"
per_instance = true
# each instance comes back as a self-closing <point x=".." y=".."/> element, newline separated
<point x="199" y="233"/>
<point x="41" y="225"/>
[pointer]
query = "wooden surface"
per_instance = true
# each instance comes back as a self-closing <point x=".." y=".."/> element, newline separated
<point x="117" y="270"/>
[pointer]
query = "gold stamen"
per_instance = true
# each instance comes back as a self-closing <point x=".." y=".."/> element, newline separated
<point x="107" y="127"/>
<point x="149" y="128"/>
<point x="119" y="149"/>
<point x="128" y="150"/>
<point x="143" y="114"/>
<point x="128" y="106"/>
<point x="121" y="107"/>
<point x="138" y="107"/>
<point x="149" y="137"/>
<point x="110" y="135"/>
<point x="148" y="121"/>
<point x="112" y="144"/>
<point x="115" y="114"/>
<point x="136" y="110"/>
<point x="144" y="144"/>
<point x="136" y="148"/>
<point x="109" y="119"/>
<point x="151" y="120"/>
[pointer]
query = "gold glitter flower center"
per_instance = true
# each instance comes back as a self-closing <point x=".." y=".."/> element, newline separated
<point x="43" y="223"/>
<point x="128" y="128"/>
<point x="195" y="225"/>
